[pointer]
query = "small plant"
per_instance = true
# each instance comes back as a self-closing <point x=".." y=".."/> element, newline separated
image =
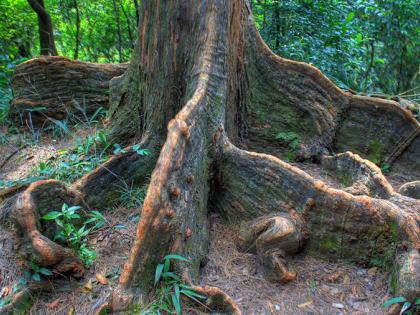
<point x="169" y="288"/>
<point x="408" y="307"/>
<point x="76" y="237"/>
<point x="292" y="140"/>
<point x="38" y="271"/>
<point x="386" y="168"/>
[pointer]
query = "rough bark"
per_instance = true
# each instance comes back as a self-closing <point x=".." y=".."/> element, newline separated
<point x="45" y="28"/>
<point x="59" y="88"/>
<point x="205" y="90"/>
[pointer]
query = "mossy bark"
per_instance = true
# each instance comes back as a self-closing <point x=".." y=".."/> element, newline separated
<point x="201" y="89"/>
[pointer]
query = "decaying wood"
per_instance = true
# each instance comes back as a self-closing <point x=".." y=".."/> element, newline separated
<point x="204" y="92"/>
<point x="59" y="88"/>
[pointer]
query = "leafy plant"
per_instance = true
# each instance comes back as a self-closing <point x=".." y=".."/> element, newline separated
<point x="408" y="307"/>
<point x="70" y="165"/>
<point x="76" y="237"/>
<point x="292" y="141"/>
<point x="170" y="288"/>
<point x="38" y="271"/>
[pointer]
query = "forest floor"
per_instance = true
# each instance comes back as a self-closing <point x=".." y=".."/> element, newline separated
<point x="321" y="287"/>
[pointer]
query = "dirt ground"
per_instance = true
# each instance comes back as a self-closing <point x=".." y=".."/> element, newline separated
<point x="321" y="287"/>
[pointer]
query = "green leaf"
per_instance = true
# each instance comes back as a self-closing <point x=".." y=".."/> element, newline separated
<point x="36" y="277"/>
<point x="52" y="215"/>
<point x="398" y="299"/>
<point x="175" y="257"/>
<point x="34" y="266"/>
<point x="176" y="303"/>
<point x="158" y="273"/>
<point x="167" y="265"/>
<point x="167" y="275"/>
<point x="350" y="17"/>
<point x="417" y="301"/>
<point x="45" y="271"/>
<point x="405" y="308"/>
<point x="192" y="293"/>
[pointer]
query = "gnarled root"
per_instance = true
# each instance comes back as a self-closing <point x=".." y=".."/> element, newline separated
<point x="40" y="198"/>
<point x="273" y="238"/>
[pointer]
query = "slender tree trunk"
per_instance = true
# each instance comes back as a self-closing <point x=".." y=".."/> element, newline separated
<point x="136" y="6"/>
<point x="76" y="49"/>
<point x="127" y="18"/>
<point x="119" y="35"/>
<point x="205" y="94"/>
<point x="46" y="33"/>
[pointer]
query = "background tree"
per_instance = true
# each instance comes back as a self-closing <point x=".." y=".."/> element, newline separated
<point x="45" y="28"/>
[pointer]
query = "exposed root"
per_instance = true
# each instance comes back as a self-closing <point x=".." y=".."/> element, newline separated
<point x="338" y="223"/>
<point x="274" y="238"/>
<point x="40" y="198"/>
<point x="217" y="300"/>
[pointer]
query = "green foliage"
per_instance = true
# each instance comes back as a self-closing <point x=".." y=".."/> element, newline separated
<point x="369" y="46"/>
<point x="74" y="236"/>
<point x="70" y="165"/>
<point x="292" y="141"/>
<point x="169" y="288"/>
<point x="408" y="307"/>
<point x="38" y="271"/>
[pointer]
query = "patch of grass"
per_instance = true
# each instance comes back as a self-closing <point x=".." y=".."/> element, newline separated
<point x="169" y="288"/>
<point x="75" y="236"/>
<point x="132" y="197"/>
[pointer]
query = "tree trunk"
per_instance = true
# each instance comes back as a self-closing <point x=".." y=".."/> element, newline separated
<point x="207" y="94"/>
<point x="77" y="36"/>
<point x="46" y="33"/>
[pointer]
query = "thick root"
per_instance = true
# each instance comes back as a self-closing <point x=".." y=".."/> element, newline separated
<point x="339" y="225"/>
<point x="40" y="198"/>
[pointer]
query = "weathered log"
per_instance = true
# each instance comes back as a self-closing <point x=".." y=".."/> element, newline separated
<point x="59" y="88"/>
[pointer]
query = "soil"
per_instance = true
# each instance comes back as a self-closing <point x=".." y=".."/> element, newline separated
<point x="321" y="287"/>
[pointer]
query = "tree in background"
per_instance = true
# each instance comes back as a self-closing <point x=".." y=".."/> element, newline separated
<point x="45" y="28"/>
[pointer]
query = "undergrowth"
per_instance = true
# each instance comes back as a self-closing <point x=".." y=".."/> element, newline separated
<point x="292" y="141"/>
<point x="169" y="288"/>
<point x="75" y="235"/>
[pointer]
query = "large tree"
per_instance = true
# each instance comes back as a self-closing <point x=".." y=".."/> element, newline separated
<point x="205" y="95"/>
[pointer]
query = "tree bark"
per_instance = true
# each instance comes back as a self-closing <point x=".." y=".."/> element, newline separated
<point x="46" y="32"/>
<point x="207" y="94"/>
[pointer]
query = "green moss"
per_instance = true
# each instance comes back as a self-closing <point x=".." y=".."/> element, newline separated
<point x="375" y="151"/>
<point x="330" y="245"/>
